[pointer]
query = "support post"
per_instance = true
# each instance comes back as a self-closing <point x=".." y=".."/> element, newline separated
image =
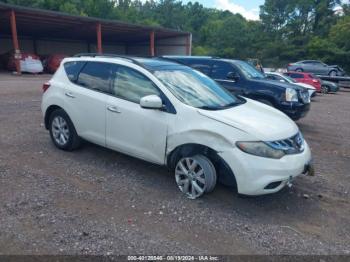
<point x="15" y="41"/>
<point x="188" y="44"/>
<point x="99" y="38"/>
<point x="151" y="44"/>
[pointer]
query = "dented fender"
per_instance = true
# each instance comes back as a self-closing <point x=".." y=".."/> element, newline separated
<point x="210" y="139"/>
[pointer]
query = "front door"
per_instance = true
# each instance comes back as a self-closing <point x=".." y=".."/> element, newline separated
<point x="219" y="73"/>
<point x="129" y="127"/>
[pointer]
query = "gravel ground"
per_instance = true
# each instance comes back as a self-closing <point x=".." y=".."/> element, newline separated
<point x="96" y="201"/>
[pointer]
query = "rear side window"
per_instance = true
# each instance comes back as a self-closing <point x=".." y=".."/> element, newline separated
<point x="96" y="76"/>
<point x="132" y="85"/>
<point x="201" y="65"/>
<point x="221" y="69"/>
<point x="72" y="69"/>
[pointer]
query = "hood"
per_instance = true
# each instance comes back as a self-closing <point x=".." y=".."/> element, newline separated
<point x="336" y="66"/>
<point x="276" y="84"/>
<point x="261" y="121"/>
<point x="329" y="83"/>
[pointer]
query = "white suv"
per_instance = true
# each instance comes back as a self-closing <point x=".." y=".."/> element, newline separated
<point x="170" y="114"/>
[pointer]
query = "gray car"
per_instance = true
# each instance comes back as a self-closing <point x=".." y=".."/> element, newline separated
<point x="316" y="67"/>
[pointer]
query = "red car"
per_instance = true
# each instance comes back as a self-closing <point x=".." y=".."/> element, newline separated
<point x="306" y="78"/>
<point x="52" y="62"/>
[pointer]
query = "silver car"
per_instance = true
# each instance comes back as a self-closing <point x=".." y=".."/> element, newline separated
<point x="316" y="67"/>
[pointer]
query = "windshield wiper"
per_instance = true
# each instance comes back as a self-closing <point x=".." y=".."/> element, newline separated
<point x="209" y="108"/>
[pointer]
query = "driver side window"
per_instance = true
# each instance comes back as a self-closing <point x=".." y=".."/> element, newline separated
<point x="220" y="70"/>
<point x="132" y="85"/>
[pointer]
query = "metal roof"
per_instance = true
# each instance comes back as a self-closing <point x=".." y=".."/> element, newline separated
<point x="41" y="23"/>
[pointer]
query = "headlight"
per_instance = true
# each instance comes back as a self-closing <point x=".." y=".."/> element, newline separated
<point x="260" y="149"/>
<point x="291" y="95"/>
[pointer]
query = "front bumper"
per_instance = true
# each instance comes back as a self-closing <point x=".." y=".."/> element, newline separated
<point x="294" y="110"/>
<point x="333" y="88"/>
<point x="258" y="175"/>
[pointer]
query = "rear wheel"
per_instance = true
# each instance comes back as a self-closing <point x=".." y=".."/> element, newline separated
<point x="299" y="70"/>
<point x="62" y="131"/>
<point x="333" y="73"/>
<point x="195" y="175"/>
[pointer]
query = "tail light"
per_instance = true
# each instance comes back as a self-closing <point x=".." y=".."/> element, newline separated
<point x="46" y="86"/>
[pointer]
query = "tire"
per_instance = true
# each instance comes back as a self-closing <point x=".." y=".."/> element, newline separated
<point x="324" y="89"/>
<point x="195" y="175"/>
<point x="333" y="73"/>
<point x="266" y="102"/>
<point x="62" y="131"/>
<point x="299" y="70"/>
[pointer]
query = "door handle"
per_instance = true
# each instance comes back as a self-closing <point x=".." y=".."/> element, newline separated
<point x="113" y="109"/>
<point x="69" y="94"/>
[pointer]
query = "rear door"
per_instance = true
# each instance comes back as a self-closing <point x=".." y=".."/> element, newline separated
<point x="86" y="99"/>
<point x="129" y="127"/>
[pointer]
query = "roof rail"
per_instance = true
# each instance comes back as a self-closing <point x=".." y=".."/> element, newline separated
<point x="110" y="56"/>
<point x="179" y="56"/>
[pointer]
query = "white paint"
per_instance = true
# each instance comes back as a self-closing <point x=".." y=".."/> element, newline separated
<point x="152" y="134"/>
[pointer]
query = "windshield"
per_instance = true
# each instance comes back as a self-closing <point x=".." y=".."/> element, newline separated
<point x="248" y="70"/>
<point x="196" y="89"/>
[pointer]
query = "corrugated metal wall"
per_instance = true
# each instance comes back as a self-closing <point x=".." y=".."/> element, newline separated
<point x="169" y="46"/>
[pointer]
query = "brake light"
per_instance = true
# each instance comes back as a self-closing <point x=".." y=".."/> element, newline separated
<point x="46" y="86"/>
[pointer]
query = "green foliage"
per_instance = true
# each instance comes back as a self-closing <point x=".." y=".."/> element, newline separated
<point x="287" y="31"/>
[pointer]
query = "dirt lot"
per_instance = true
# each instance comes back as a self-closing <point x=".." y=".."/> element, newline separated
<point x="96" y="201"/>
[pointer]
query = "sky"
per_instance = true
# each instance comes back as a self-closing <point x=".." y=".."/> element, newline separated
<point x="247" y="8"/>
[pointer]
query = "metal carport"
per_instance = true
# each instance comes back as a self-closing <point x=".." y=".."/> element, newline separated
<point x="24" y="29"/>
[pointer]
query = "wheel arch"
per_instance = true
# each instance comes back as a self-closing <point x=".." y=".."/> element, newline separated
<point x="224" y="172"/>
<point x="48" y="112"/>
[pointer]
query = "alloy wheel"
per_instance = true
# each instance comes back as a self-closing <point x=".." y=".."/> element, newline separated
<point x="60" y="130"/>
<point x="190" y="177"/>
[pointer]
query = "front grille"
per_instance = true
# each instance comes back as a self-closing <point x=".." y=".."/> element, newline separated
<point x="304" y="95"/>
<point x="292" y="145"/>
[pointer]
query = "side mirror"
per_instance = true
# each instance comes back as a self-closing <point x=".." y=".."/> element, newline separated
<point x="233" y="76"/>
<point x="282" y="80"/>
<point x="151" y="102"/>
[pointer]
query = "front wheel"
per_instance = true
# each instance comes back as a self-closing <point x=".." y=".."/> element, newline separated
<point x="62" y="131"/>
<point x="195" y="175"/>
<point x="324" y="89"/>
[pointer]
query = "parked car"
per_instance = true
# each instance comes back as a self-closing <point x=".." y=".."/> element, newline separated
<point x="306" y="78"/>
<point x="240" y="78"/>
<point x="52" y="62"/>
<point x="29" y="62"/>
<point x="170" y="114"/>
<point x="329" y="87"/>
<point x="316" y="67"/>
<point x="286" y="79"/>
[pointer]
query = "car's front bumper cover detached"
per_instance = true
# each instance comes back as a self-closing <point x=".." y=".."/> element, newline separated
<point x="258" y="175"/>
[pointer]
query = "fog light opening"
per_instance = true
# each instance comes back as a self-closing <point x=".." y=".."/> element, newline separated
<point x="273" y="185"/>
